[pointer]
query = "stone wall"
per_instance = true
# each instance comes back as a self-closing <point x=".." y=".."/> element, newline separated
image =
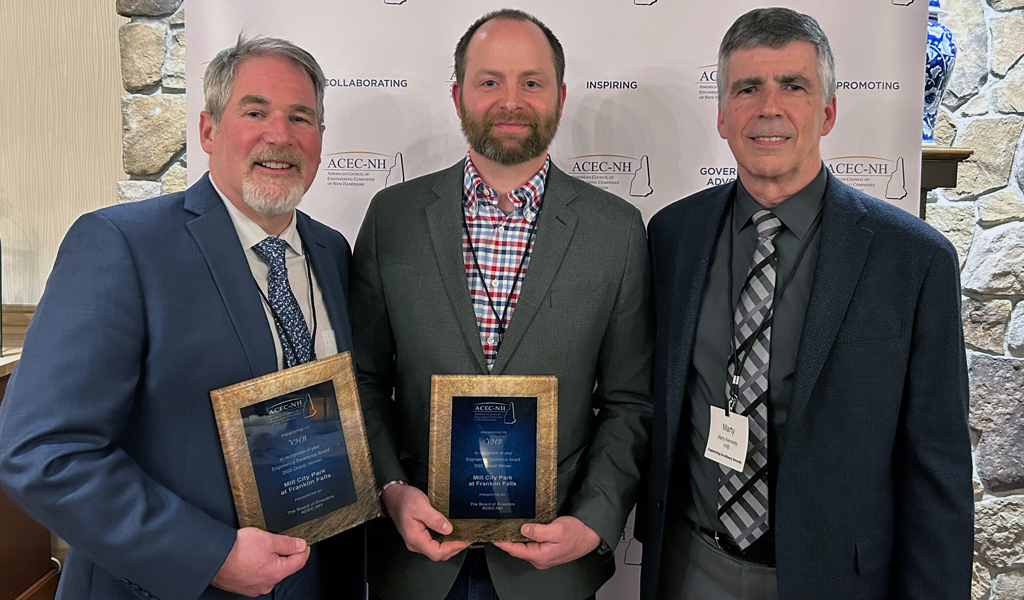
<point x="983" y="217"/>
<point x="153" y="109"/>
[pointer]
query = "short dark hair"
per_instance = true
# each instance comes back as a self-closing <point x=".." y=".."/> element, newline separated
<point x="510" y="14"/>
<point x="774" y="28"/>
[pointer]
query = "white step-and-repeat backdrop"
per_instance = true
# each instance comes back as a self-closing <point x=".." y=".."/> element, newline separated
<point x="639" y="117"/>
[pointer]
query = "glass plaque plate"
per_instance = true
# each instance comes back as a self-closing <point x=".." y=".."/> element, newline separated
<point x="493" y="453"/>
<point x="296" y="450"/>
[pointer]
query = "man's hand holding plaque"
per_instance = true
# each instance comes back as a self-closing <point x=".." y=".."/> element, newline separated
<point x="415" y="518"/>
<point x="563" y="540"/>
<point x="259" y="560"/>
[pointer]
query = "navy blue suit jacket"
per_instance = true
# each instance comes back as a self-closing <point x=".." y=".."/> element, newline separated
<point x="874" y="497"/>
<point x="107" y="435"/>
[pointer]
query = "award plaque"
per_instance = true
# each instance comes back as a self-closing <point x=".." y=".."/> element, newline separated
<point x="296" y="450"/>
<point x="493" y="453"/>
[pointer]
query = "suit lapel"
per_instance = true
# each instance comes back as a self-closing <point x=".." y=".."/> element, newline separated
<point x="325" y="269"/>
<point x="842" y="250"/>
<point x="215" y="235"/>
<point x="444" y="223"/>
<point x="555" y="227"/>
<point x="688" y="278"/>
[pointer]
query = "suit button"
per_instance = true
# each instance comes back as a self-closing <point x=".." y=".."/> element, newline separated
<point x="661" y="505"/>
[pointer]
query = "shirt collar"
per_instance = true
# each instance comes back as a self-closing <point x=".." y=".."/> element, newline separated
<point x="797" y="212"/>
<point x="250" y="233"/>
<point x="526" y="198"/>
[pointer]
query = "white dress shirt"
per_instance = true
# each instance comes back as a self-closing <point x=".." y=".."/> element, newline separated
<point x="250" y="234"/>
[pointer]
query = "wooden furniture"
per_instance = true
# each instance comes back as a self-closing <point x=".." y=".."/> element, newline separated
<point x="938" y="169"/>
<point x="26" y="572"/>
<point x="16" y="318"/>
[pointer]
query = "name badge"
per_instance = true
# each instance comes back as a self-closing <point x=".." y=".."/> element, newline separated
<point x="727" y="439"/>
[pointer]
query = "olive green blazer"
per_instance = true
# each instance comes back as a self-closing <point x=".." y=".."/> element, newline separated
<point x="583" y="315"/>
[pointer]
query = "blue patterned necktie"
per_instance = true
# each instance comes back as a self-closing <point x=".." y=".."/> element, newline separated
<point x="743" y="495"/>
<point x="296" y="344"/>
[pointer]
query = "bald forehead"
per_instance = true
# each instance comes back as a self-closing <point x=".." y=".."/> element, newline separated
<point x="501" y="27"/>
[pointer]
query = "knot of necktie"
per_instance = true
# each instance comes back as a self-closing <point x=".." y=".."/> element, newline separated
<point x="768" y="225"/>
<point x="271" y="250"/>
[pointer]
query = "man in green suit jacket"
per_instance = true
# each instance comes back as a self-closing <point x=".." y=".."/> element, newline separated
<point x="504" y="265"/>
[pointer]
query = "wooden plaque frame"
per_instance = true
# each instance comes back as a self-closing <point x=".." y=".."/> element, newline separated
<point x="227" y="403"/>
<point x="442" y="389"/>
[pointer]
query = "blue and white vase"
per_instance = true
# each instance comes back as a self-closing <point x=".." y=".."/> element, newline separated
<point x="938" y="67"/>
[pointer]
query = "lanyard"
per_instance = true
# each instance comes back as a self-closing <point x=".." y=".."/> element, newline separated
<point x="738" y="356"/>
<point x="515" y="281"/>
<point x="286" y="338"/>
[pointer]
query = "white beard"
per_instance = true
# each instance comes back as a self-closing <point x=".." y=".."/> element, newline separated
<point x="265" y="202"/>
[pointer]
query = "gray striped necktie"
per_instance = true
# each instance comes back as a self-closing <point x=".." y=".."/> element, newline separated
<point x="743" y="495"/>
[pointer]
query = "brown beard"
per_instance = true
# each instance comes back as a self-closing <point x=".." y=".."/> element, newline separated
<point x="503" y="150"/>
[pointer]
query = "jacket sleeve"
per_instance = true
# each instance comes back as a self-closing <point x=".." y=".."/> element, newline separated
<point x="69" y="402"/>
<point x="935" y="508"/>
<point x="618" y="451"/>
<point x="374" y="351"/>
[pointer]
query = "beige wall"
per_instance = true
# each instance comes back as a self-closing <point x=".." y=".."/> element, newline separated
<point x="60" y="129"/>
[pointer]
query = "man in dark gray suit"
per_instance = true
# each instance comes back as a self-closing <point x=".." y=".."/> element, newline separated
<point x="810" y="435"/>
<point x="503" y="264"/>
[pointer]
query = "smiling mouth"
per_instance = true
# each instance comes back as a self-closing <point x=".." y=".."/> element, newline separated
<point x="773" y="138"/>
<point x="511" y="126"/>
<point x="275" y="166"/>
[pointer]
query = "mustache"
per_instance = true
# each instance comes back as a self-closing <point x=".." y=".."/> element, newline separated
<point x="510" y="119"/>
<point x="769" y="132"/>
<point x="276" y="155"/>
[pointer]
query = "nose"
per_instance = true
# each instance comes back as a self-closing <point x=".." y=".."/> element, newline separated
<point x="511" y="98"/>
<point x="770" y="103"/>
<point x="276" y="131"/>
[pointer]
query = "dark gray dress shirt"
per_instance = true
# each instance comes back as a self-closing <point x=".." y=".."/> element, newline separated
<point x="695" y="478"/>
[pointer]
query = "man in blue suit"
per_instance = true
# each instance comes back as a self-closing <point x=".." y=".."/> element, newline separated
<point x="107" y="435"/>
<point x="810" y="434"/>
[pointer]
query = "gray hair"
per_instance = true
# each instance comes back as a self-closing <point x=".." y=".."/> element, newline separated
<point x="774" y="28"/>
<point x="220" y="73"/>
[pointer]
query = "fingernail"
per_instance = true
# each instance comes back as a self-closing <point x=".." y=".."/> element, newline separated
<point x="527" y="530"/>
<point x="447" y="528"/>
<point x="300" y="544"/>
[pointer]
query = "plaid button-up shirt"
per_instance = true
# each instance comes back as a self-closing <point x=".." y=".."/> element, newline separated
<point x="501" y="243"/>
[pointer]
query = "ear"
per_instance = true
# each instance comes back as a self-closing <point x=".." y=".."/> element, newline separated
<point x="455" y="99"/>
<point x="721" y="123"/>
<point x="561" y="102"/>
<point x="207" y="131"/>
<point x="830" y="117"/>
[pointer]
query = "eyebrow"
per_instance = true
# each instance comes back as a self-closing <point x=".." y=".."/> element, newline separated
<point x="793" y="78"/>
<point x="755" y="80"/>
<point x="302" y="108"/>
<point x="257" y="99"/>
<point x="746" y="82"/>
<point x="253" y="99"/>
<point x="499" y="74"/>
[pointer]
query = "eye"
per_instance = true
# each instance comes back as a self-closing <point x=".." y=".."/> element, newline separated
<point x="532" y="84"/>
<point x="301" y="119"/>
<point x="253" y="113"/>
<point x="490" y="83"/>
